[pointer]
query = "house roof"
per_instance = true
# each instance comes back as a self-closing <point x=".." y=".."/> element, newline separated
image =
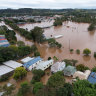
<point x="69" y="70"/>
<point x="4" y="70"/>
<point x="58" y="66"/>
<point x="82" y="75"/>
<point x="27" y="59"/>
<point x="92" y="78"/>
<point x="43" y="64"/>
<point x="31" y="62"/>
<point x="12" y="64"/>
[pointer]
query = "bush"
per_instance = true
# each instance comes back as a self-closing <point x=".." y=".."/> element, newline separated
<point x="94" y="69"/>
<point x="37" y="75"/>
<point x="3" y="78"/>
<point x="36" y="54"/>
<point x="78" y="51"/>
<point x="19" y="73"/>
<point x="71" y="50"/>
<point x="86" y="51"/>
<point x="37" y="86"/>
<point x="94" y="54"/>
<point x="81" y="67"/>
<point x="49" y="58"/>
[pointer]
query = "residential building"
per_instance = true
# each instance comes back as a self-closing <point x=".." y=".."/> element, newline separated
<point x="58" y="66"/>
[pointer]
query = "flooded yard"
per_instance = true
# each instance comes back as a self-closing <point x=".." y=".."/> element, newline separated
<point x="75" y="36"/>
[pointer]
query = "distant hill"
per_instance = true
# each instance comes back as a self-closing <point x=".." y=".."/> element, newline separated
<point x="44" y="12"/>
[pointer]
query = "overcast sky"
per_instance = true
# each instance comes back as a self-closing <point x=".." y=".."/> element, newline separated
<point x="52" y="4"/>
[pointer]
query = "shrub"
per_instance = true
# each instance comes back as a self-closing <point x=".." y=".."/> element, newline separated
<point x="78" y="51"/>
<point x="37" y="54"/>
<point x="94" y="69"/>
<point x="86" y="51"/>
<point x="94" y="54"/>
<point x="81" y="67"/>
<point x="71" y="50"/>
<point x="49" y="58"/>
<point x="37" y="86"/>
<point x="3" y="78"/>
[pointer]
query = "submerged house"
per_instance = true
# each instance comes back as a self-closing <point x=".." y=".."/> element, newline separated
<point x="13" y="64"/>
<point x="92" y="78"/>
<point x="69" y="70"/>
<point x="32" y="63"/>
<point x="3" y="41"/>
<point x="81" y="75"/>
<point x="58" y="66"/>
<point x="44" y="64"/>
<point x="27" y="59"/>
<point x="5" y="70"/>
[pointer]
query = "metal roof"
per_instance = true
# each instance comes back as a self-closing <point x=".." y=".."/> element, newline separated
<point x="92" y="78"/>
<point x="58" y="66"/>
<point x="12" y="64"/>
<point x="69" y="70"/>
<point x="44" y="64"/>
<point x="27" y="59"/>
<point x="31" y="62"/>
<point x="4" y="70"/>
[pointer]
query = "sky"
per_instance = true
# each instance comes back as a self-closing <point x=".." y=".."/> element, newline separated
<point x="48" y="4"/>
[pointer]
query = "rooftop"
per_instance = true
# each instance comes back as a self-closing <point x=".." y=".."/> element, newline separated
<point x="12" y="64"/>
<point x="4" y="70"/>
<point x="31" y="62"/>
<point x="92" y="78"/>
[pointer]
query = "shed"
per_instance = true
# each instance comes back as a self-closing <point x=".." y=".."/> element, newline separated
<point x="3" y="41"/>
<point x="82" y="75"/>
<point x="92" y="78"/>
<point x="44" y="64"/>
<point x="27" y="59"/>
<point x="5" y="70"/>
<point x="32" y="63"/>
<point x="12" y="64"/>
<point x="69" y="70"/>
<point x="58" y="66"/>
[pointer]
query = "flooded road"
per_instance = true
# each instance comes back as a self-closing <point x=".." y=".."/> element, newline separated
<point x="75" y="36"/>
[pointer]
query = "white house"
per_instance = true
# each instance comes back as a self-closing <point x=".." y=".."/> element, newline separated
<point x="27" y="59"/>
<point x="44" y="64"/>
<point x="81" y="75"/>
<point x="5" y="70"/>
<point x="32" y="63"/>
<point x="58" y="66"/>
<point x="12" y="64"/>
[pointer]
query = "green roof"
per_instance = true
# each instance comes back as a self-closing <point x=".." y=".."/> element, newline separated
<point x="69" y="70"/>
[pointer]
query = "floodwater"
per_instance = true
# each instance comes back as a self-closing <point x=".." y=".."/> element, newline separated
<point x="75" y="36"/>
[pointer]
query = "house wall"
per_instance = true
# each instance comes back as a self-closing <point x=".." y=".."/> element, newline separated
<point x="33" y="66"/>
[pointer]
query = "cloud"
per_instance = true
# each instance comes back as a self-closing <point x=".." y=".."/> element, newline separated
<point x="48" y="4"/>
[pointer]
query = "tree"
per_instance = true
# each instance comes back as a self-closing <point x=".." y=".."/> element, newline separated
<point x="66" y="90"/>
<point x="20" y="43"/>
<point x="19" y="73"/>
<point x="57" y="77"/>
<point x="87" y="51"/>
<point x="37" y="34"/>
<point x="49" y="58"/>
<point x="78" y="51"/>
<point x="37" y="75"/>
<point x="94" y="69"/>
<point x="57" y="22"/>
<point x="25" y="88"/>
<point x="37" y="86"/>
<point x="36" y="53"/>
<point x="81" y="67"/>
<point x="94" y="54"/>
<point x="84" y="88"/>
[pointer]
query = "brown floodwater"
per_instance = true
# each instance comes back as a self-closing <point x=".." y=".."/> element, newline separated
<point x="75" y="36"/>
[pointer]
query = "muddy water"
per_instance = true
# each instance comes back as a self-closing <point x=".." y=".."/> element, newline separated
<point x="31" y="26"/>
<point x="75" y="36"/>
